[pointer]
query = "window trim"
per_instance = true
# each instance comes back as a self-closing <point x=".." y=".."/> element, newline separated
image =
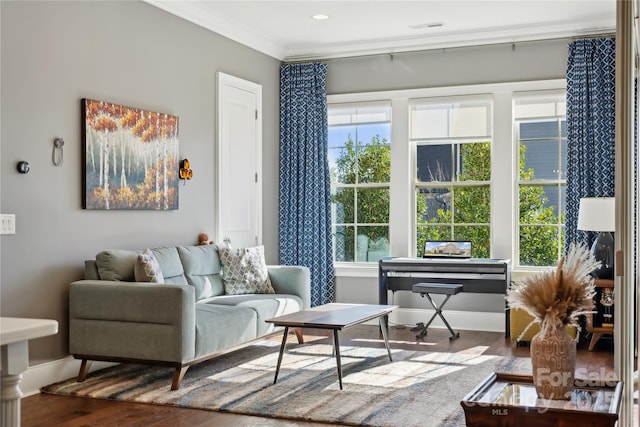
<point x="503" y="187"/>
<point x="485" y="100"/>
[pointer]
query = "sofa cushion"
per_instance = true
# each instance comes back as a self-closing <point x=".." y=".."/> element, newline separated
<point x="266" y="306"/>
<point x="202" y="269"/>
<point x="219" y="327"/>
<point x="245" y="271"/>
<point x="170" y="265"/>
<point x="147" y="268"/>
<point x="117" y="264"/>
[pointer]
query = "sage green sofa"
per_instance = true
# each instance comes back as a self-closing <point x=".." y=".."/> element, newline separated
<point x="184" y="321"/>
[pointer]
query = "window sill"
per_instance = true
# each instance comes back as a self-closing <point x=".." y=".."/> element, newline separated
<point x="371" y="270"/>
<point x="520" y="274"/>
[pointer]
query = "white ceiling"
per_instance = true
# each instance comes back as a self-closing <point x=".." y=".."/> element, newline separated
<point x="285" y="30"/>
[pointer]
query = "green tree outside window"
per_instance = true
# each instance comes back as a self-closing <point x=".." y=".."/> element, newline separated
<point x="358" y="164"/>
<point x="465" y="214"/>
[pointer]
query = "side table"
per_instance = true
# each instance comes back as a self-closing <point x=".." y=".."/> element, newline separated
<point x="598" y="329"/>
<point x="15" y="333"/>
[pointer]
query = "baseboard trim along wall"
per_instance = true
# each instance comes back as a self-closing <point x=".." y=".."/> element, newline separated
<point x="38" y="376"/>
<point x="459" y="320"/>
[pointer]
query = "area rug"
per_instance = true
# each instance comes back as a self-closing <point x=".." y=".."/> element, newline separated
<point x="417" y="389"/>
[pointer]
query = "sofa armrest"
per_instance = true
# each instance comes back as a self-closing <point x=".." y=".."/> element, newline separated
<point x="292" y="279"/>
<point x="132" y="320"/>
<point x="132" y="302"/>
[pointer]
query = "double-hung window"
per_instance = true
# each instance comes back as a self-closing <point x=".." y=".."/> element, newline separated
<point x="481" y="163"/>
<point x="541" y="135"/>
<point x="360" y="169"/>
<point x="451" y="143"/>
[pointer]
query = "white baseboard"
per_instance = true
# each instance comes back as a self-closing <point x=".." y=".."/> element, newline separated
<point x="38" y="376"/>
<point x="459" y="320"/>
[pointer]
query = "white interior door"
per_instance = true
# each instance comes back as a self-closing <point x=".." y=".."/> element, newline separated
<point x="239" y="194"/>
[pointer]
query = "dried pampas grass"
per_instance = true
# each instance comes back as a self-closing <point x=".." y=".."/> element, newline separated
<point x="556" y="298"/>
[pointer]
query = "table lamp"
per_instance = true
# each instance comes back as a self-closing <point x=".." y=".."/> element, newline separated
<point x="598" y="214"/>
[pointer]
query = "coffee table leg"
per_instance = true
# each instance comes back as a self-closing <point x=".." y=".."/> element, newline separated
<point x="336" y="346"/>
<point x="385" y="334"/>
<point x="282" y="346"/>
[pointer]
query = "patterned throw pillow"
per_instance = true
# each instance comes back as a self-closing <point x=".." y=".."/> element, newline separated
<point x="147" y="268"/>
<point x="244" y="271"/>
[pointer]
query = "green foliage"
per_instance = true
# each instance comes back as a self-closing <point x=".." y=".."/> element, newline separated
<point x="466" y="215"/>
<point x="358" y="164"/>
<point x="363" y="164"/>
<point x="467" y="218"/>
<point x="472" y="206"/>
<point x="538" y="244"/>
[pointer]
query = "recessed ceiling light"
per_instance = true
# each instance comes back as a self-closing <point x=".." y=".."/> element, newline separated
<point x="320" y="17"/>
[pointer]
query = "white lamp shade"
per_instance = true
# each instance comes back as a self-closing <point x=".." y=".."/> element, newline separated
<point x="597" y="214"/>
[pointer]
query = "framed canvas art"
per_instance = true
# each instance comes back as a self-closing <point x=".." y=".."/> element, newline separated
<point x="130" y="158"/>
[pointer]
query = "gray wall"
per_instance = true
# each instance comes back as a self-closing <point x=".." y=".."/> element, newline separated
<point x="55" y="53"/>
<point x="127" y="52"/>
<point x="449" y="67"/>
<point x="439" y="68"/>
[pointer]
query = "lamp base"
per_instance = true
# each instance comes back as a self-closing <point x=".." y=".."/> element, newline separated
<point x="603" y="251"/>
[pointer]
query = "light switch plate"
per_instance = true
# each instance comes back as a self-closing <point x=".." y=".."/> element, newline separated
<point x="8" y="224"/>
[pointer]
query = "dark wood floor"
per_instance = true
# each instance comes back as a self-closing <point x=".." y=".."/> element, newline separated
<point x="47" y="410"/>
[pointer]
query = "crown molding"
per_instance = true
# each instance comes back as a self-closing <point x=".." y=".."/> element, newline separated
<point x="491" y="36"/>
<point x="229" y="28"/>
<point x="194" y="12"/>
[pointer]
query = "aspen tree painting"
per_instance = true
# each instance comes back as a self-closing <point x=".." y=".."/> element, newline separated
<point x="130" y="158"/>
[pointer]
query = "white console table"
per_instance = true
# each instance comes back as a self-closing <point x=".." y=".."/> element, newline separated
<point x="15" y="333"/>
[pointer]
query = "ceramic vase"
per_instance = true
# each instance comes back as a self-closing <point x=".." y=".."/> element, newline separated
<point x="553" y="359"/>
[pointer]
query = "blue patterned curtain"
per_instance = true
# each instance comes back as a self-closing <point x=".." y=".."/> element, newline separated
<point x="590" y="128"/>
<point x="305" y="194"/>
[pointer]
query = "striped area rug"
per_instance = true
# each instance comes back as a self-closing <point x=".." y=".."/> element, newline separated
<point x="416" y="389"/>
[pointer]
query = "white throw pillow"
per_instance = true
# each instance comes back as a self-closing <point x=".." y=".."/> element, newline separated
<point x="244" y="271"/>
<point x="147" y="268"/>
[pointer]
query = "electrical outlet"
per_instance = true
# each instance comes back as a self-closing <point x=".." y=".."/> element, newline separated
<point x="8" y="224"/>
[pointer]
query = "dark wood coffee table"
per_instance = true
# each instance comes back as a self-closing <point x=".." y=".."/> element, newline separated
<point x="335" y="317"/>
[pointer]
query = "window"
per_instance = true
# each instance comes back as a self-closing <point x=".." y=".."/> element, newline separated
<point x="541" y="135"/>
<point x="360" y="168"/>
<point x="451" y="139"/>
<point x="484" y="163"/>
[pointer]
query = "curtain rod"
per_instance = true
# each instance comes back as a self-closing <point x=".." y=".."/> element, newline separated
<point x="443" y="49"/>
<point x="592" y="36"/>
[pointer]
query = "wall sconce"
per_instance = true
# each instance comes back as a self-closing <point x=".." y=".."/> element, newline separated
<point x="185" y="170"/>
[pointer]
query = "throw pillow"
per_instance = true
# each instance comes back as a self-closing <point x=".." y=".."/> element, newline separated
<point x="244" y="271"/>
<point x="147" y="268"/>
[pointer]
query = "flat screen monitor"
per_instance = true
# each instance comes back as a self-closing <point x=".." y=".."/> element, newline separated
<point x="447" y="249"/>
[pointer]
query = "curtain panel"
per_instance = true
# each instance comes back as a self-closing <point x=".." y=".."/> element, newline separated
<point x="305" y="193"/>
<point x="590" y="128"/>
